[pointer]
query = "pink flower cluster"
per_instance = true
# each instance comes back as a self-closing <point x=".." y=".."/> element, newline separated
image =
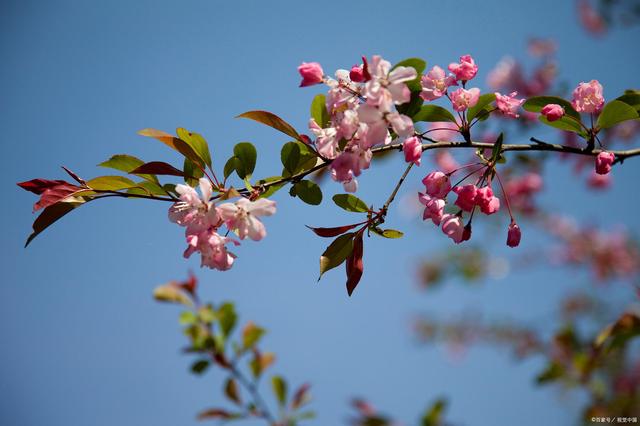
<point x="202" y="220"/>
<point x="469" y="197"/>
<point x="361" y="103"/>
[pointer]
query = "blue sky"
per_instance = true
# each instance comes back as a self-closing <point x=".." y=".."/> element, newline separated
<point x="84" y="343"/>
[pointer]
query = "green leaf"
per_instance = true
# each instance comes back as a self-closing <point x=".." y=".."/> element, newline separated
<point x="350" y="203"/>
<point x="615" y="112"/>
<point x="123" y="162"/>
<point x="272" y="189"/>
<point x="308" y="191"/>
<point x="192" y="172"/>
<point x="147" y="188"/>
<point x="272" y="120"/>
<point x="433" y="113"/>
<point x="230" y="166"/>
<point x="482" y="105"/>
<point x="171" y="293"/>
<point x="564" y="123"/>
<point x="419" y="65"/>
<point x="412" y="107"/>
<point x="497" y="149"/>
<point x="187" y="318"/>
<point x="632" y="98"/>
<point x="536" y="103"/>
<point x="197" y="142"/>
<point x="319" y="110"/>
<point x="174" y="143"/>
<point x="296" y="157"/>
<point x="279" y="389"/>
<point x="227" y="317"/>
<point x="433" y="416"/>
<point x="251" y="335"/>
<point x="392" y="233"/>
<point x="553" y="372"/>
<point x="200" y="366"/>
<point x="336" y="253"/>
<point x="110" y="183"/>
<point x="246" y="154"/>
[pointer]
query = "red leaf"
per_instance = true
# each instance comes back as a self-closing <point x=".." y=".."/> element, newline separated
<point x="48" y="216"/>
<point x="272" y="120"/>
<point x="74" y="176"/>
<point x="56" y="193"/>
<point x="38" y="186"/>
<point x="215" y="413"/>
<point x="157" y="168"/>
<point x="354" y="264"/>
<point x="332" y="232"/>
<point x="299" y="396"/>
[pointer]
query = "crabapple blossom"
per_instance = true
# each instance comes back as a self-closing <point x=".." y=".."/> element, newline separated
<point x="462" y="99"/>
<point x="466" y="196"/>
<point x="587" y="97"/>
<point x="434" y="208"/>
<point x="435" y="83"/>
<point x="243" y="217"/>
<point x="604" y="161"/>
<point x="437" y="183"/>
<point x="212" y="248"/>
<point x="326" y="139"/>
<point x="194" y="211"/>
<point x="357" y="74"/>
<point x="452" y="227"/>
<point x="387" y="87"/>
<point x="311" y="73"/>
<point x="487" y="202"/>
<point x="513" y="235"/>
<point x="508" y="104"/>
<point x="552" y="112"/>
<point x="465" y="70"/>
<point x="412" y="148"/>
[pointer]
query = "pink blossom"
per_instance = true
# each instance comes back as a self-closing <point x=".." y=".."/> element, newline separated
<point x="452" y="227"/>
<point x="412" y="148"/>
<point x="514" y="235"/>
<point x="466" y="196"/>
<point x="212" y="248"/>
<point x="435" y="84"/>
<point x="387" y="87"/>
<point x="552" y="112"/>
<point x="326" y="139"/>
<point x="508" y="104"/>
<point x="604" y="161"/>
<point x="487" y="202"/>
<point x="462" y="99"/>
<point x="401" y="124"/>
<point x="587" y="97"/>
<point x="311" y="73"/>
<point x="350" y="164"/>
<point x="243" y="217"/>
<point x="466" y="69"/>
<point x="434" y="208"/>
<point x="194" y="211"/>
<point x="590" y="18"/>
<point x="437" y="184"/>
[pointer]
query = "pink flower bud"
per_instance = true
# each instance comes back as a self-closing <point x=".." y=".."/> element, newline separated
<point x="587" y="97"/>
<point x="466" y="69"/>
<point x="466" y="197"/>
<point x="552" y="112"/>
<point x="412" y="149"/>
<point x="452" y="227"/>
<point x="488" y="203"/>
<point x="438" y="184"/>
<point x="514" y="235"/>
<point x="311" y="73"/>
<point x="604" y="161"/>
<point x="466" y="233"/>
<point x="357" y="73"/>
<point x="462" y="99"/>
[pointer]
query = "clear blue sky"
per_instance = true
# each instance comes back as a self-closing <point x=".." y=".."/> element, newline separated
<point x="83" y="342"/>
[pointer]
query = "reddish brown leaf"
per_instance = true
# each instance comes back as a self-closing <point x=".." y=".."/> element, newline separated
<point x="38" y="186"/>
<point x="55" y="194"/>
<point x="215" y="413"/>
<point x="300" y="397"/>
<point x="272" y="120"/>
<point x="157" y="168"/>
<point x="175" y="143"/>
<point x="221" y="360"/>
<point x="232" y="391"/>
<point x="354" y="264"/>
<point x="332" y="232"/>
<point x="48" y="216"/>
<point x="74" y="176"/>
